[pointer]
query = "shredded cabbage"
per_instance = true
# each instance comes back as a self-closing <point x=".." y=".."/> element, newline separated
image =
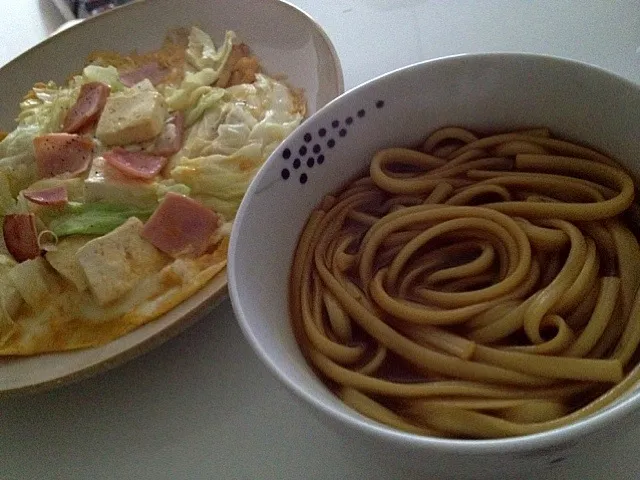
<point x="198" y="138"/>
<point x="6" y="263"/>
<point x="49" y="107"/>
<point x="20" y="171"/>
<point x="3" y="246"/>
<point x="220" y="177"/>
<point x="206" y="101"/>
<point x="207" y="62"/>
<point x="10" y="299"/>
<point x="19" y="141"/>
<point x="170" y="185"/>
<point x="224" y="149"/>
<point x="7" y="202"/>
<point x="41" y="113"/>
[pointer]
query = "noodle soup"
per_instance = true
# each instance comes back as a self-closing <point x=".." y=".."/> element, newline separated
<point x="475" y="287"/>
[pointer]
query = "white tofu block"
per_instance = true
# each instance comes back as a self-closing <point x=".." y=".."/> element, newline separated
<point x="63" y="260"/>
<point x="10" y="297"/>
<point x="117" y="261"/>
<point x="35" y="281"/>
<point x="132" y="116"/>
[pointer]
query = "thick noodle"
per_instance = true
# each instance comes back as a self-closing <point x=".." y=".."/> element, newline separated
<point x="477" y="287"/>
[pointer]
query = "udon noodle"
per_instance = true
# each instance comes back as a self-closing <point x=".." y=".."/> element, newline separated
<point x="477" y="287"/>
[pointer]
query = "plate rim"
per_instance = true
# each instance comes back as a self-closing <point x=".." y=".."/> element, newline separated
<point x="135" y="3"/>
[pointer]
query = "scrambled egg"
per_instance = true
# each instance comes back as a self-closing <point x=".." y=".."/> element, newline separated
<point x="92" y="285"/>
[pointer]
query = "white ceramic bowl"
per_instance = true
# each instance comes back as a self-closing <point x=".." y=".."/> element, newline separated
<point x="487" y="92"/>
<point x="286" y="40"/>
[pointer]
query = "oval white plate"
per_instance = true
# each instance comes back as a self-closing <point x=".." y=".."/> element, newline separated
<point x="286" y="40"/>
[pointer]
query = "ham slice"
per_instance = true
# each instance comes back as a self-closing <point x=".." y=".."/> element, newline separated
<point x="135" y="164"/>
<point x="88" y="107"/>
<point x="181" y="226"/>
<point x="21" y="236"/>
<point x="58" y="153"/>
<point x="47" y="196"/>
<point x="152" y="71"/>
<point x="170" y="139"/>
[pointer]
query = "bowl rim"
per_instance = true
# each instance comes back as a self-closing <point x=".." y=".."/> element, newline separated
<point x="566" y="435"/>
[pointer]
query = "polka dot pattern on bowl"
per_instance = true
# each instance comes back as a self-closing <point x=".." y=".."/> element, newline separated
<point x="317" y="145"/>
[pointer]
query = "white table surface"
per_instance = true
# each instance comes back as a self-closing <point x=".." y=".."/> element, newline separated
<point x="202" y="405"/>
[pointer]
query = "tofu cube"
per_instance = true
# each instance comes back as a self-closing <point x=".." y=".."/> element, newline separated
<point x="132" y="116"/>
<point x="10" y="297"/>
<point x="63" y="260"/>
<point x="35" y="281"/>
<point x="107" y="184"/>
<point x="114" y="263"/>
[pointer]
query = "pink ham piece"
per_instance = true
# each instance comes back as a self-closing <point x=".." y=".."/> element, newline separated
<point x="135" y="164"/>
<point x="170" y="139"/>
<point x="181" y="226"/>
<point x="152" y="71"/>
<point x="20" y="236"/>
<point x="47" y="196"/>
<point x="88" y="107"/>
<point x="58" y="153"/>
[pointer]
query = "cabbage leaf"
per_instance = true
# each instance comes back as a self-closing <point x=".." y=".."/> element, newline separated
<point x="202" y="53"/>
<point x="107" y="75"/>
<point x="93" y="218"/>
